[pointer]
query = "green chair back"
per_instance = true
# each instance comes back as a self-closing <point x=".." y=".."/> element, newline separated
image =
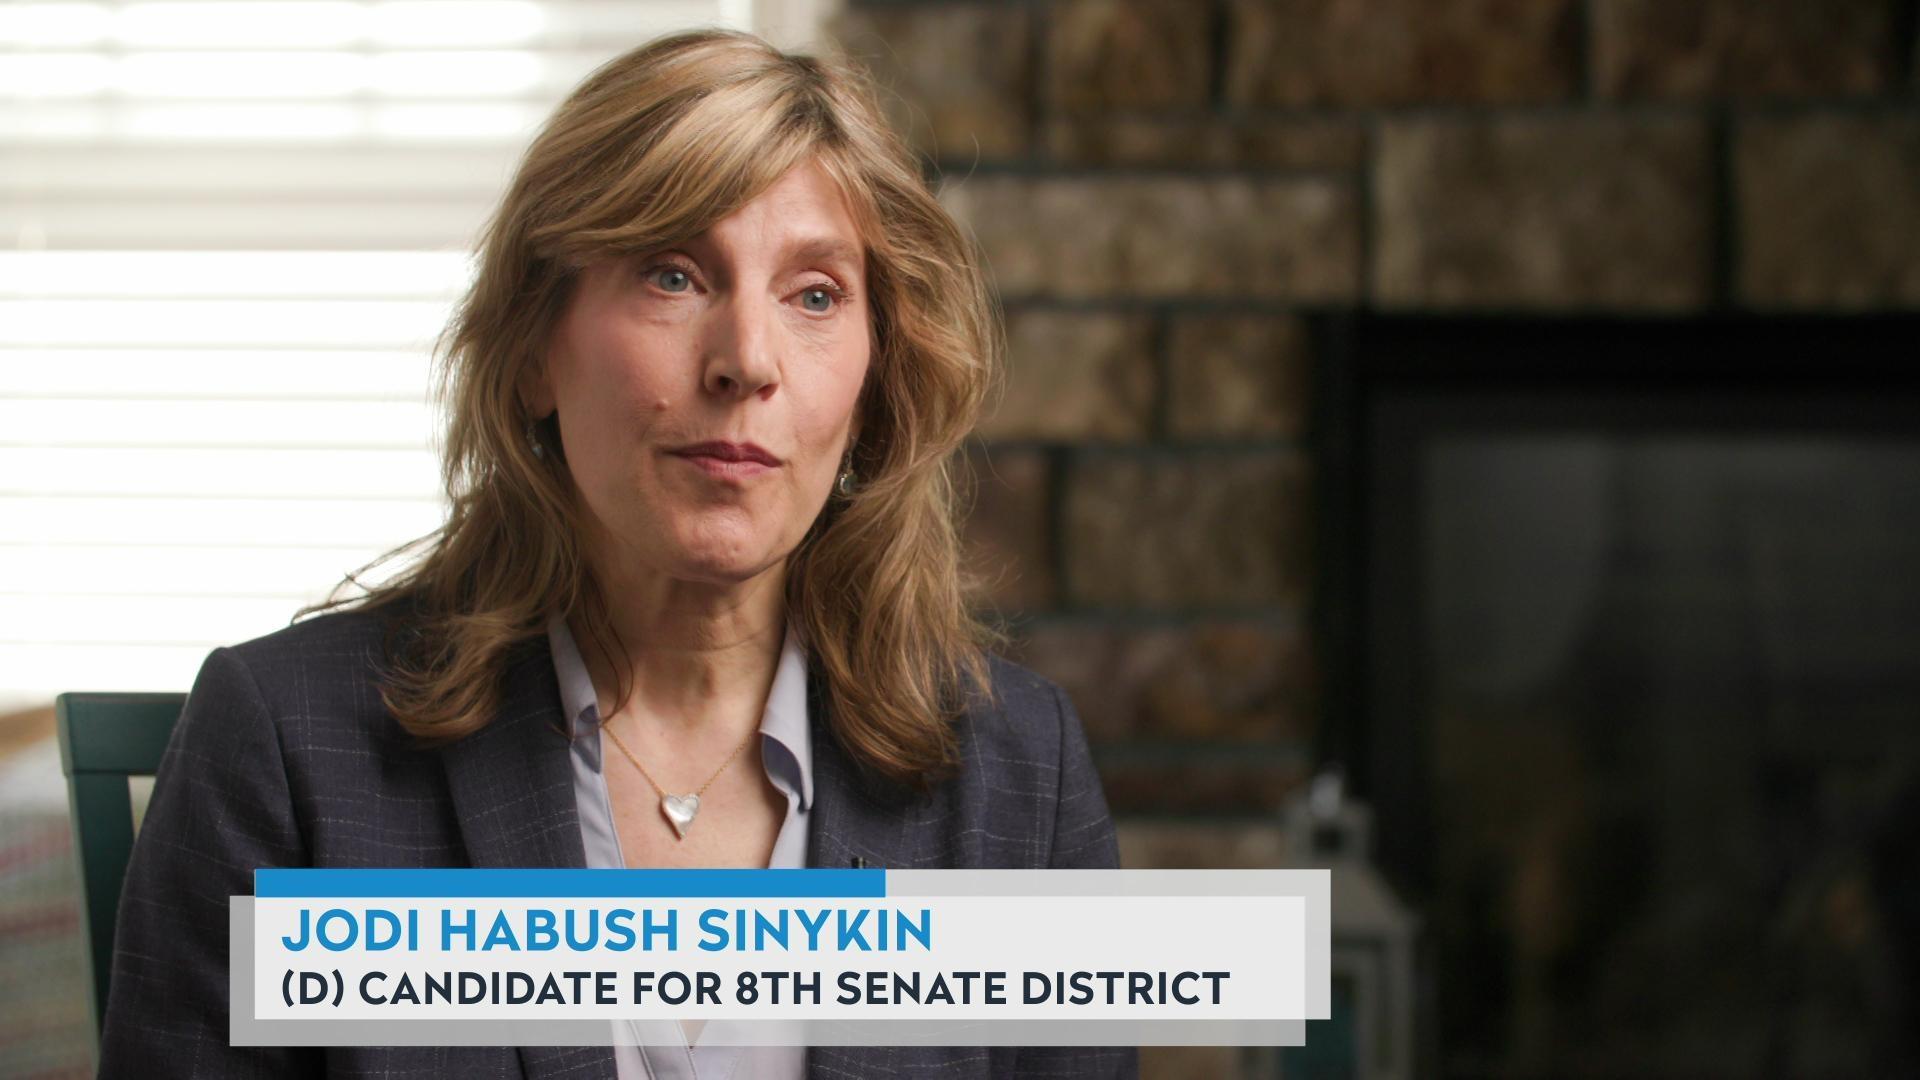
<point x="105" y="739"/>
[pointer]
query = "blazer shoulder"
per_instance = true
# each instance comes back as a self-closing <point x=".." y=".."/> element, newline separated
<point x="326" y="665"/>
<point x="331" y="638"/>
<point x="1041" y="776"/>
<point x="1027" y="713"/>
<point x="1022" y="690"/>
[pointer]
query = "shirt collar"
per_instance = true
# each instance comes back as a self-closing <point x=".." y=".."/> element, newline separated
<point x="785" y="718"/>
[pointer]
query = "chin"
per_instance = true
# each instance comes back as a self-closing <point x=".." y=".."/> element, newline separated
<point x="718" y="571"/>
<point x="722" y="561"/>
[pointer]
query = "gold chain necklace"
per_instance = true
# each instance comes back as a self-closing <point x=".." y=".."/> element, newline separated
<point x="679" y="809"/>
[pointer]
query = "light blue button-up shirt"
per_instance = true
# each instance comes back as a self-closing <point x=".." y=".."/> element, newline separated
<point x="658" y="1050"/>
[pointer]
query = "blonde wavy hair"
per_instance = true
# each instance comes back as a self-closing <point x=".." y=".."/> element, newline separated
<point x="652" y="149"/>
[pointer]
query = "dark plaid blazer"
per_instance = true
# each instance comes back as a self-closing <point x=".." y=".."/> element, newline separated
<point x="285" y="756"/>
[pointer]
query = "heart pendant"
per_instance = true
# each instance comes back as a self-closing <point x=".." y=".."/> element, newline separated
<point x="680" y="810"/>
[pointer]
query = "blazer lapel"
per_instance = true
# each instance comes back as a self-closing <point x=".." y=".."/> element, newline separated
<point x="512" y="781"/>
<point x="856" y="816"/>
<point x="512" y="787"/>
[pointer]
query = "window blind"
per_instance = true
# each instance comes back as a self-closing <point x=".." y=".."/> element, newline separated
<point x="229" y="233"/>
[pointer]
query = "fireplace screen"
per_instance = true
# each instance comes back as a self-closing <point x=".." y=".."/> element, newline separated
<point x="1642" y="707"/>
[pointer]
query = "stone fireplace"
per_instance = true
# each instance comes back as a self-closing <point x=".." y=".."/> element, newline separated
<point x="1215" y="226"/>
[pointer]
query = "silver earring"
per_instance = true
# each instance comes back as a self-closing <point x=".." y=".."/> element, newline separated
<point x="844" y="485"/>
<point x="533" y="439"/>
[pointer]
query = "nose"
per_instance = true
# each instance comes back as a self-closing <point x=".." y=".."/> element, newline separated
<point x="741" y="358"/>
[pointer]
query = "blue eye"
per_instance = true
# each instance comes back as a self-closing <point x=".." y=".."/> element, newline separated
<point x="669" y="274"/>
<point x="823" y="294"/>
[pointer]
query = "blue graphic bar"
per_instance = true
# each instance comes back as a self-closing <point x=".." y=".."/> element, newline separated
<point x="730" y="882"/>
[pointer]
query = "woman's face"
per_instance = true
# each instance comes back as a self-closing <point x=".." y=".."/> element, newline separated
<point x="756" y="334"/>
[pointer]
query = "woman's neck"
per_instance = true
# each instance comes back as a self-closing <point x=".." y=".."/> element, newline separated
<point x="698" y="652"/>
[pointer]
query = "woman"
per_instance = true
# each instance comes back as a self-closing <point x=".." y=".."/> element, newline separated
<point x="705" y="397"/>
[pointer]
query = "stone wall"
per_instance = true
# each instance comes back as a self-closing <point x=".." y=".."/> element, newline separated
<point x="1164" y="188"/>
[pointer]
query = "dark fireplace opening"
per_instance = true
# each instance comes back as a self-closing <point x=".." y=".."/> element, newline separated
<point x="1623" y="642"/>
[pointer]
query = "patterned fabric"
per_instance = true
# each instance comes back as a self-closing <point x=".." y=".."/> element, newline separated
<point x="285" y="756"/>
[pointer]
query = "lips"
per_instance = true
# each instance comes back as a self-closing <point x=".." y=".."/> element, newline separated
<point x="721" y="450"/>
<point x="730" y="463"/>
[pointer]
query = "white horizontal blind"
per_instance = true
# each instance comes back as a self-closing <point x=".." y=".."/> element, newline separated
<point x="229" y="232"/>
<point x="262" y="124"/>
